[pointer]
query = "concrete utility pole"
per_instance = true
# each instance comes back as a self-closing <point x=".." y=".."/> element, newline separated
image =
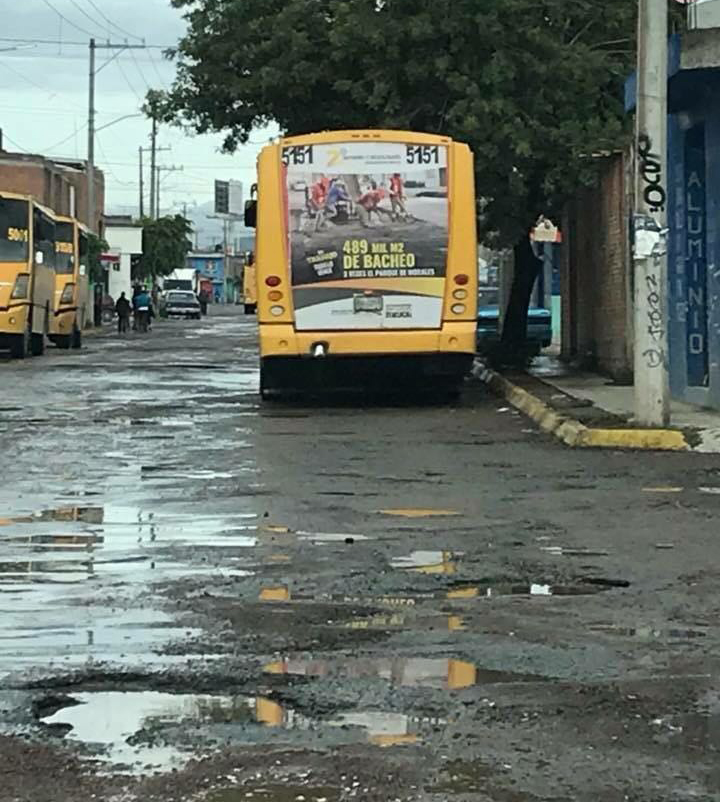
<point x="90" y="170"/>
<point x="652" y="392"/>
<point x="142" y="187"/>
<point x="91" y="142"/>
<point x="153" y="156"/>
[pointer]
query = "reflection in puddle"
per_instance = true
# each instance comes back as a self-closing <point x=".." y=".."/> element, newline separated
<point x="533" y="589"/>
<point x="419" y="513"/>
<point x="427" y="562"/>
<point x="454" y="623"/>
<point x="402" y="671"/>
<point x="134" y="730"/>
<point x="114" y="719"/>
<point x="330" y="537"/>
<point x="276" y="593"/>
<point x="52" y="560"/>
<point x="648" y="632"/>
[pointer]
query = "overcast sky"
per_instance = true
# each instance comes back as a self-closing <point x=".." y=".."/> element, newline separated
<point x="44" y="95"/>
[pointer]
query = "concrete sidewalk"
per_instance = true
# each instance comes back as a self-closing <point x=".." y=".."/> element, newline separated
<point x="585" y="409"/>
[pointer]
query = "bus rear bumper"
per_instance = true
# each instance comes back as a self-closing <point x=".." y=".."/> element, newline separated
<point x="389" y="374"/>
<point x="396" y="362"/>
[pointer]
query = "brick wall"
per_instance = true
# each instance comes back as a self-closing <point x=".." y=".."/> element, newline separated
<point x="51" y="184"/>
<point x="595" y="273"/>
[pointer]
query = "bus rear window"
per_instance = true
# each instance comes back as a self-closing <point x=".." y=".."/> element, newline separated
<point x="64" y="251"/>
<point x="14" y="233"/>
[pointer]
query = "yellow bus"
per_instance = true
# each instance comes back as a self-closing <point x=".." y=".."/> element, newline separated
<point x="27" y="275"/>
<point x="366" y="257"/>
<point x="71" y="283"/>
<point x="249" y="284"/>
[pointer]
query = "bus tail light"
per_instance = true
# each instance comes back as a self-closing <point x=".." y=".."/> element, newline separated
<point x="462" y="279"/>
<point x="67" y="294"/>
<point x="273" y="281"/>
<point x="20" y="289"/>
<point x="457" y="309"/>
<point x="275" y="295"/>
<point x="277" y="310"/>
<point x="460" y="295"/>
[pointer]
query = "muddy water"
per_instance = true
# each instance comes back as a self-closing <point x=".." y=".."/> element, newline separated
<point x="106" y="503"/>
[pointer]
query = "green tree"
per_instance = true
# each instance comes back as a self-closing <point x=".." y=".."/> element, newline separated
<point x="96" y="248"/>
<point x="534" y="86"/>
<point x="166" y="242"/>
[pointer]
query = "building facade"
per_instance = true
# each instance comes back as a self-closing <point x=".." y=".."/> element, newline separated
<point x="61" y="185"/>
<point x="693" y="194"/>
<point x="124" y="239"/>
<point x="210" y="269"/>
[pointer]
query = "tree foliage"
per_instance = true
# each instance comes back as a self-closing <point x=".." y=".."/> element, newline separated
<point x="532" y="85"/>
<point x="96" y="248"/>
<point x="166" y="242"/>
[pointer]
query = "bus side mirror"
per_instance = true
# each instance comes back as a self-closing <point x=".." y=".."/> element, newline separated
<point x="250" y="214"/>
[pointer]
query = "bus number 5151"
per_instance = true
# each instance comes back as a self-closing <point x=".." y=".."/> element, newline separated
<point x="423" y="154"/>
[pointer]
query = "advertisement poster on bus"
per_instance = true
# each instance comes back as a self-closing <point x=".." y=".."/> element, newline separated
<point x="368" y="234"/>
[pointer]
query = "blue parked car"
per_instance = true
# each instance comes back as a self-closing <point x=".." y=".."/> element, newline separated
<point x="539" y="329"/>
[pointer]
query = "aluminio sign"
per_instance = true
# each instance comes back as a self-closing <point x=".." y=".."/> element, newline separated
<point x="368" y="234"/>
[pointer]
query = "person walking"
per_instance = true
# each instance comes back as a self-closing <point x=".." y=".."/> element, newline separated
<point x="203" y="298"/>
<point x="123" y="310"/>
<point x="143" y="305"/>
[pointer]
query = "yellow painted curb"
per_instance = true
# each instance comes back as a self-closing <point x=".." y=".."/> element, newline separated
<point x="577" y="435"/>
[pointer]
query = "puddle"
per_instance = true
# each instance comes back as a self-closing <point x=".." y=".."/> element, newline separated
<point x="273" y="792"/>
<point x="112" y="721"/>
<point x="406" y="672"/>
<point x="427" y="562"/>
<point x="584" y="588"/>
<point x="649" y="632"/>
<point x="137" y="732"/>
<point x="330" y="537"/>
<point x="57" y="565"/>
<point x="453" y="623"/>
<point x="276" y="593"/>
<point x="419" y="513"/>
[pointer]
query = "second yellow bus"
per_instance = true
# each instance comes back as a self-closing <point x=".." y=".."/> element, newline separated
<point x="27" y="275"/>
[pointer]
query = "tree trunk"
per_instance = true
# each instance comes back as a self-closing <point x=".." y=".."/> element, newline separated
<point x="514" y="332"/>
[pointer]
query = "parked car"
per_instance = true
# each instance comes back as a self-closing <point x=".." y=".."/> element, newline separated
<point x="180" y="303"/>
<point x="539" y="326"/>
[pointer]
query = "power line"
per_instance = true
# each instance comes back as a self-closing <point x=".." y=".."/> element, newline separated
<point x="157" y="71"/>
<point x="86" y="15"/>
<point x="62" y="43"/>
<point x="67" y="139"/>
<point x="113" y="24"/>
<point x="15" y="144"/>
<point x="127" y="81"/>
<point x="137" y="67"/>
<point x="30" y="81"/>
<point x="65" y="19"/>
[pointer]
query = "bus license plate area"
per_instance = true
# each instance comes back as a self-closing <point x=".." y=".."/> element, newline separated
<point x="368" y="303"/>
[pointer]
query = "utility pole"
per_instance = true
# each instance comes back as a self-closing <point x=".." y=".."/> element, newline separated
<point x="153" y="156"/>
<point x="162" y="169"/>
<point x="652" y="392"/>
<point x="90" y="169"/>
<point x="153" y="173"/>
<point x="142" y="187"/>
<point x="91" y="142"/>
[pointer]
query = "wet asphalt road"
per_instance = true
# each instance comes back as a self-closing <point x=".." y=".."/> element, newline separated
<point x="203" y="597"/>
